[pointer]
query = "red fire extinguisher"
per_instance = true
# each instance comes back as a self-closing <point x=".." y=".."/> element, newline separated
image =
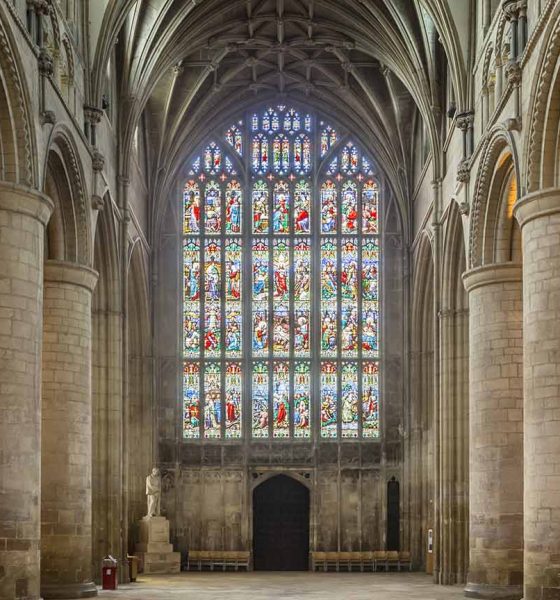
<point x="109" y="573"/>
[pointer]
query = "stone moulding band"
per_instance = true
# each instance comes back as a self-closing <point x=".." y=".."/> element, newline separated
<point x="492" y="274"/>
<point x="536" y="205"/>
<point x="493" y="592"/>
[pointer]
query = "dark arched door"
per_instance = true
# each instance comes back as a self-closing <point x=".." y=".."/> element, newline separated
<point x="281" y="525"/>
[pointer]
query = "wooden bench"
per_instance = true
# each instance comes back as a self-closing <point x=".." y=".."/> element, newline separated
<point x="362" y="561"/>
<point x="224" y="559"/>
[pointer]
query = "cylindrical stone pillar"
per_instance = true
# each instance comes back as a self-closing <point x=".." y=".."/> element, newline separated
<point x="23" y="215"/>
<point x="67" y="432"/>
<point x="539" y="217"/>
<point x="496" y="432"/>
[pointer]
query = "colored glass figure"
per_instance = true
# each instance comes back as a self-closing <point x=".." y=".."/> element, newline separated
<point x="281" y="154"/>
<point x="350" y="160"/>
<point x="329" y="138"/>
<point x="191" y="401"/>
<point x="370" y="264"/>
<point x="281" y="330"/>
<point x="234" y="138"/>
<point x="292" y="121"/>
<point x="234" y="405"/>
<point x="329" y="400"/>
<point x="213" y="208"/>
<point x="329" y="292"/>
<point x="260" y="207"/>
<point x="370" y="199"/>
<point x="349" y="208"/>
<point x="302" y="295"/>
<point x="281" y="400"/>
<point x="212" y="296"/>
<point x="260" y="330"/>
<point x="302" y="154"/>
<point x="370" y="337"/>
<point x="233" y="331"/>
<point x="260" y="271"/>
<point x="260" y="394"/>
<point x="212" y="401"/>
<point x="255" y="122"/>
<point x="260" y="154"/>
<point x="233" y="296"/>
<point x="191" y="297"/>
<point x="349" y="330"/>
<point x="233" y="207"/>
<point x="195" y="170"/>
<point x="349" y="400"/>
<point x="302" y="208"/>
<point x="328" y="207"/>
<point x="307" y="122"/>
<point x="191" y="208"/>
<point x="302" y="404"/>
<point x="281" y="215"/>
<point x="191" y="331"/>
<point x="370" y="400"/>
<point x="281" y="271"/>
<point x="349" y="271"/>
<point x="191" y="266"/>
<point x="213" y="159"/>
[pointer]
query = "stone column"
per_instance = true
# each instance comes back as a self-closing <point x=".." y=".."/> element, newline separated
<point x="539" y="217"/>
<point x="67" y="432"/>
<point x="23" y="215"/>
<point x="496" y="432"/>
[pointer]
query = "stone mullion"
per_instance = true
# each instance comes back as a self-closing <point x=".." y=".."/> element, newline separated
<point x="66" y="505"/>
<point x="539" y="217"/>
<point x="23" y="215"/>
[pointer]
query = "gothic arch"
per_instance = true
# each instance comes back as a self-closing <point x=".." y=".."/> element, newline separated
<point x="498" y="169"/>
<point x="259" y="478"/>
<point x="17" y="146"/>
<point x="69" y="231"/>
<point x="543" y="139"/>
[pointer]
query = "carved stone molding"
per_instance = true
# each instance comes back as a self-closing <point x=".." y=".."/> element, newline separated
<point x="97" y="161"/>
<point x="513" y="72"/>
<point x="92" y="114"/>
<point x="46" y="63"/>
<point x="464" y="171"/>
<point x="465" y="120"/>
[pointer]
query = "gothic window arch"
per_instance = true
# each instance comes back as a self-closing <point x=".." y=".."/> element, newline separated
<point x="280" y="283"/>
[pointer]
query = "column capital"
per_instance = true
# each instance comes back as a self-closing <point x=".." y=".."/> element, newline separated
<point x="60" y="271"/>
<point x="536" y="205"/>
<point x="492" y="274"/>
<point x="25" y="201"/>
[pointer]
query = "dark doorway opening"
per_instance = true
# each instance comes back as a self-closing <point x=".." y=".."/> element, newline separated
<point x="393" y="515"/>
<point x="281" y="525"/>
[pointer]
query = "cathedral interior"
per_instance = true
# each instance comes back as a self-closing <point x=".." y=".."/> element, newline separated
<point x="280" y="291"/>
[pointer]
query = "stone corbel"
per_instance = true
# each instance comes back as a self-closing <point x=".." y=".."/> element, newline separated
<point x="46" y="63"/>
<point x="464" y="171"/>
<point x="97" y="202"/>
<point x="97" y="161"/>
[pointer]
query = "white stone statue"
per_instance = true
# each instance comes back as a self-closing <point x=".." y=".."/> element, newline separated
<point x="153" y="492"/>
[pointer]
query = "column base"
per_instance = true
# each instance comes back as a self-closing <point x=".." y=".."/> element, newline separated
<point x="494" y="592"/>
<point x="62" y="591"/>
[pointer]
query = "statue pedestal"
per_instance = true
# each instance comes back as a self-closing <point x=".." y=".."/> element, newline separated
<point x="154" y="550"/>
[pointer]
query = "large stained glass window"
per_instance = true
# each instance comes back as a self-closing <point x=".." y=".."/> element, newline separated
<point x="281" y="283"/>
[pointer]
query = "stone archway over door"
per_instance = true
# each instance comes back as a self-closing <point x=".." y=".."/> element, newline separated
<point x="281" y="525"/>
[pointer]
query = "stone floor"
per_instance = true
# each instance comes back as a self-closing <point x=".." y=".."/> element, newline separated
<point x="285" y="586"/>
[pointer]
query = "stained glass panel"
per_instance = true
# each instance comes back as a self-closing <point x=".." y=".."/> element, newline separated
<point x="234" y="406"/>
<point x="234" y="137"/>
<point x="328" y="139"/>
<point x="212" y="297"/>
<point x="302" y="208"/>
<point x="191" y="297"/>
<point x="233" y="207"/>
<point x="302" y="404"/>
<point x="302" y="295"/>
<point x="292" y="121"/>
<point x="329" y="400"/>
<point x="260" y="394"/>
<point x="260" y="154"/>
<point x="329" y="295"/>
<point x="281" y="216"/>
<point x="302" y="154"/>
<point x="191" y="401"/>
<point x="350" y="160"/>
<point x="328" y="207"/>
<point x="260" y="203"/>
<point x="191" y="208"/>
<point x="349" y="208"/>
<point x="233" y="270"/>
<point x="281" y="154"/>
<point x="260" y="297"/>
<point x="370" y="400"/>
<point x="349" y="411"/>
<point x="213" y="208"/>
<point x="212" y="401"/>
<point x="212" y="159"/>
<point x="369" y="208"/>
<point x="281" y="314"/>
<point x="281" y="399"/>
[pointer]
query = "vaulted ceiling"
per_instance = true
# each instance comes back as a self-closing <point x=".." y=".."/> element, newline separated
<point x="186" y="66"/>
